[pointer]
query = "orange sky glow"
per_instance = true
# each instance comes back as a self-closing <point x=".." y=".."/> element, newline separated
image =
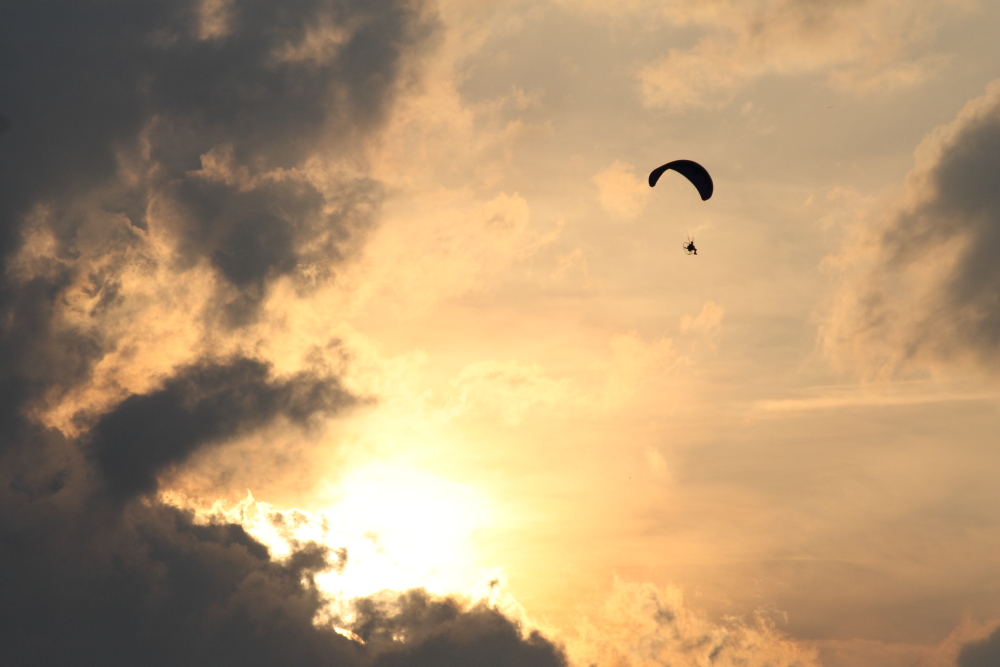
<point x="782" y="451"/>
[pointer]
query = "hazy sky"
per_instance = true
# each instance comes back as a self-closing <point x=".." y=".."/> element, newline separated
<point x="310" y="303"/>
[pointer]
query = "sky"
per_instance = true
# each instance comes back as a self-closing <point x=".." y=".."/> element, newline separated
<point x="349" y="332"/>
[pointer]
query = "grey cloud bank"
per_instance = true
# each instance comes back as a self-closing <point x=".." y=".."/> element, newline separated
<point x="927" y="293"/>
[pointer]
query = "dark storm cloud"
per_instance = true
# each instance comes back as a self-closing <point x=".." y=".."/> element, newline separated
<point x="985" y="653"/>
<point x="441" y="632"/>
<point x="199" y="405"/>
<point x="86" y="582"/>
<point x="251" y="235"/>
<point x="35" y="356"/>
<point x="87" y="82"/>
<point x="152" y="588"/>
<point x="123" y="116"/>
<point x="89" y="577"/>
<point x="932" y="293"/>
<point x="113" y="103"/>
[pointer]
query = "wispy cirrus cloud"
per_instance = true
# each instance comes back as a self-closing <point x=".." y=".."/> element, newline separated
<point x="862" y="46"/>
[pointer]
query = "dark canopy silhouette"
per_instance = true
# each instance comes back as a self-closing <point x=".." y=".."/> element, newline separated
<point x="691" y="170"/>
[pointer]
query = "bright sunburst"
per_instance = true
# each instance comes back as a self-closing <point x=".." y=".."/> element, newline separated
<point x="392" y="528"/>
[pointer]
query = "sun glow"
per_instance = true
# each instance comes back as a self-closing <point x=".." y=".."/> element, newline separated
<point x="390" y="528"/>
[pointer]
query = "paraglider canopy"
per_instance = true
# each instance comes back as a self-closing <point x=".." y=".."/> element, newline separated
<point x="691" y="170"/>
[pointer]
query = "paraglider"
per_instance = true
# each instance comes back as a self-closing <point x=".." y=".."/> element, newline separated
<point x="699" y="178"/>
<point x="692" y="171"/>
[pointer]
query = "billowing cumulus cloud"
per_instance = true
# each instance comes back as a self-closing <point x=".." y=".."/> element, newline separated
<point x="165" y="164"/>
<point x="922" y="281"/>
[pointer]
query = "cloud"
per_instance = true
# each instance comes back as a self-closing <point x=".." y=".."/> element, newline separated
<point x="201" y="404"/>
<point x="177" y="144"/>
<point x="620" y="191"/>
<point x="445" y="246"/>
<point x="862" y="46"/>
<point x="131" y="111"/>
<point x="149" y="150"/>
<point x="509" y="388"/>
<point x="156" y="588"/>
<point x="635" y="364"/>
<point x="166" y="165"/>
<point x="981" y="653"/>
<point x="920" y="283"/>
<point x="968" y="632"/>
<point x="150" y="587"/>
<point x="643" y="624"/>
<point x="442" y="633"/>
<point x="709" y="319"/>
